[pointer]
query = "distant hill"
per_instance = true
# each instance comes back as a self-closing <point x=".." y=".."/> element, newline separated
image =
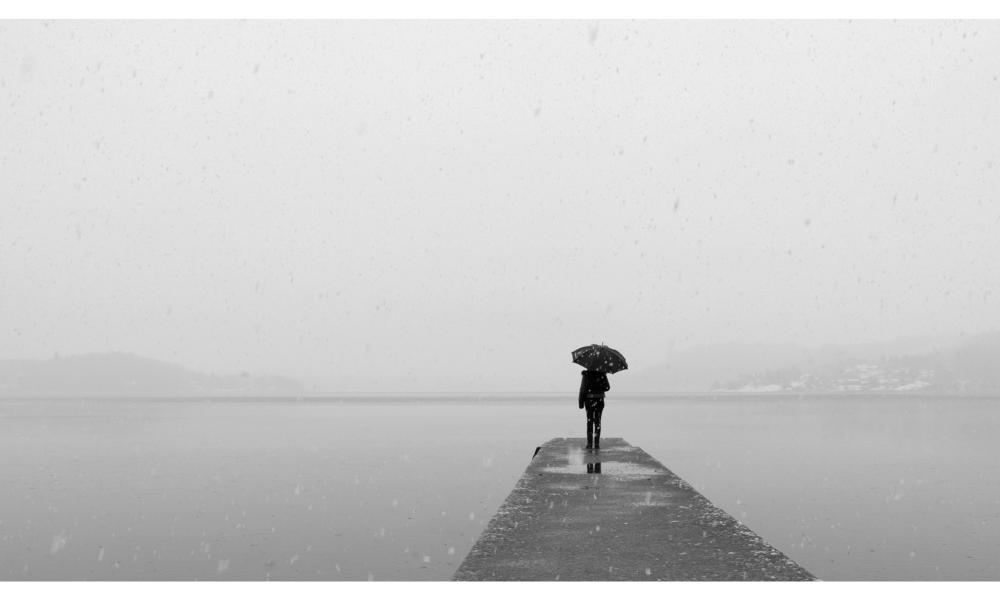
<point x="125" y="374"/>
<point x="952" y="362"/>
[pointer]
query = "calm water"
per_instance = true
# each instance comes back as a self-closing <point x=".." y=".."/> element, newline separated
<point x="852" y="488"/>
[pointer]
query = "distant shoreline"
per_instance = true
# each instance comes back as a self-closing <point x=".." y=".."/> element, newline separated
<point x="478" y="397"/>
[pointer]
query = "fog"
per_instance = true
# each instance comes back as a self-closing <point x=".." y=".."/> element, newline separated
<point x="460" y="204"/>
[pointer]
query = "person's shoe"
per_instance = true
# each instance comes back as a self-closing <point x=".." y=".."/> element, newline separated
<point x="597" y="446"/>
<point x="589" y="446"/>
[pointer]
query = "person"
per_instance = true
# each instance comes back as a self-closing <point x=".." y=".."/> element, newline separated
<point x="593" y="384"/>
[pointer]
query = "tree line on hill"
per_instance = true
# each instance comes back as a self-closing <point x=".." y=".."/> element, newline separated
<point x="941" y="363"/>
<point x="125" y="374"/>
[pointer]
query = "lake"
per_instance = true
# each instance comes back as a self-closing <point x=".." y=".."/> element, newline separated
<point x="851" y="487"/>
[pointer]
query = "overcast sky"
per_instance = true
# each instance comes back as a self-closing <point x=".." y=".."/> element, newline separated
<point x="466" y="202"/>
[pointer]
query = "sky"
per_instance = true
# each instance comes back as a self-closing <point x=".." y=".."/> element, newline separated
<point x="457" y="205"/>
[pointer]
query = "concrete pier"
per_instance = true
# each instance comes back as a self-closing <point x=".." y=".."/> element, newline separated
<point x="615" y="514"/>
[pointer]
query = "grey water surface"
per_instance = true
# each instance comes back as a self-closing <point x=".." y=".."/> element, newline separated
<point x="850" y="487"/>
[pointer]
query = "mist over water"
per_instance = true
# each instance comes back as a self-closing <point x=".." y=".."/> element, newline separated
<point x="455" y="205"/>
<point x="851" y="488"/>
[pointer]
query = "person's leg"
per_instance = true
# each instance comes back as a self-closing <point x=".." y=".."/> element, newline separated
<point x="590" y="425"/>
<point x="598" y="409"/>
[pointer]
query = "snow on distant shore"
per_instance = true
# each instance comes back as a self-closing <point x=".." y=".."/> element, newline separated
<point x="772" y="387"/>
<point x="916" y="385"/>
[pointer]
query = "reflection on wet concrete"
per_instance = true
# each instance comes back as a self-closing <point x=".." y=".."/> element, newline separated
<point x="558" y="525"/>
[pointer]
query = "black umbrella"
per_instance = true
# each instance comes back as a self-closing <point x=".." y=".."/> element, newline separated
<point x="598" y="357"/>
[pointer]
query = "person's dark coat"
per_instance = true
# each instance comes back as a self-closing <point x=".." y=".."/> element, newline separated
<point x="593" y="384"/>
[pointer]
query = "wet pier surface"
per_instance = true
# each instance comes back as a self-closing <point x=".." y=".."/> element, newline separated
<point x="615" y="514"/>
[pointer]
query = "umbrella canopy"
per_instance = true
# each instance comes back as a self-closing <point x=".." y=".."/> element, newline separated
<point x="598" y="357"/>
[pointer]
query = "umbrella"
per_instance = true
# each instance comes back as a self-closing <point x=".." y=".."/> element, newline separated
<point x="598" y="357"/>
